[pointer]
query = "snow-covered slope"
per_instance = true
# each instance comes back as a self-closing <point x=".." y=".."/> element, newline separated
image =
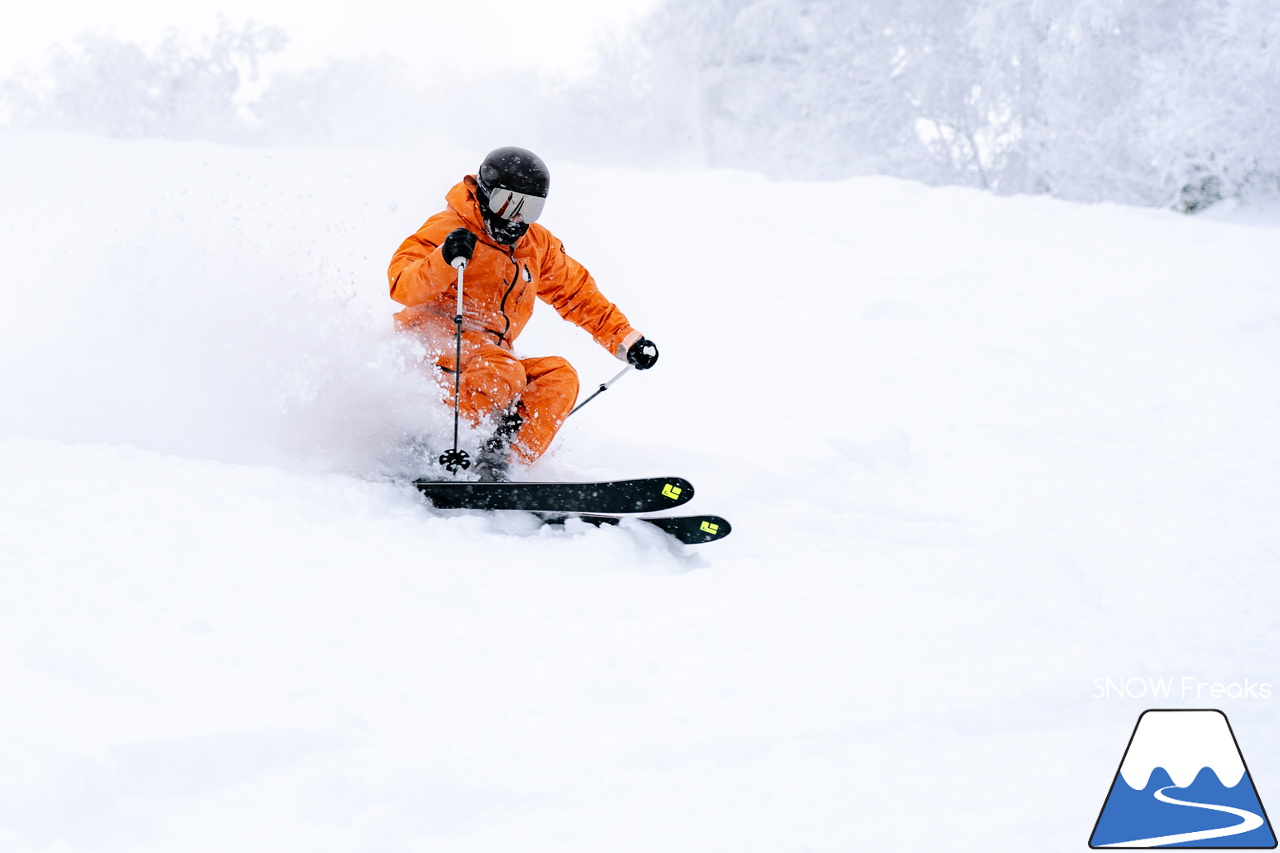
<point x="977" y="452"/>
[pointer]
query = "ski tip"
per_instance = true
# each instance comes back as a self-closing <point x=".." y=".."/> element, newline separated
<point x="677" y="490"/>
<point x="693" y="529"/>
<point x="713" y="528"/>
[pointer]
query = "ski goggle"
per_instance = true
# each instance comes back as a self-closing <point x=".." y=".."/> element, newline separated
<point x="508" y="204"/>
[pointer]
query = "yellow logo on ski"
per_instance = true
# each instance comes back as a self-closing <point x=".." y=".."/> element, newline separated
<point x="670" y="491"/>
<point x="708" y="527"/>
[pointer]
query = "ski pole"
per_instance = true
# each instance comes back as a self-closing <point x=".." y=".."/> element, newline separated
<point x="454" y="459"/>
<point x="603" y="387"/>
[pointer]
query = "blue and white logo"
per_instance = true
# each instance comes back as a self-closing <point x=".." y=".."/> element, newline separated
<point x="1183" y="783"/>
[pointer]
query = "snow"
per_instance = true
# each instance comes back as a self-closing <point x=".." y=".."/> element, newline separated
<point x="977" y="452"/>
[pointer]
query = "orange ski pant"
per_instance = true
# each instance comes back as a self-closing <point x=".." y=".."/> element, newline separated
<point x="541" y="390"/>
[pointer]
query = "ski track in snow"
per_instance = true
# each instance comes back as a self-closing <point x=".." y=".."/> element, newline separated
<point x="977" y="452"/>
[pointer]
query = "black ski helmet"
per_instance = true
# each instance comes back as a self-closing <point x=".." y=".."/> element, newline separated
<point x="519" y="171"/>
<point x="515" y="169"/>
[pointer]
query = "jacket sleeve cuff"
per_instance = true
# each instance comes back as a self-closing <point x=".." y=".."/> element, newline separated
<point x="630" y="339"/>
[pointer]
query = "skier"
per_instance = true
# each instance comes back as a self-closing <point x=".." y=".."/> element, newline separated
<point x="490" y="221"/>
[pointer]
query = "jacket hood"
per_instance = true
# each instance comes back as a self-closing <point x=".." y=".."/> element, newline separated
<point x="464" y="200"/>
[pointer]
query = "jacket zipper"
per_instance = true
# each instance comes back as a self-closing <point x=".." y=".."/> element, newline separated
<point x="515" y="279"/>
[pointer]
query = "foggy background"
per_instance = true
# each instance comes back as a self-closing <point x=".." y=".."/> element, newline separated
<point x="1169" y="103"/>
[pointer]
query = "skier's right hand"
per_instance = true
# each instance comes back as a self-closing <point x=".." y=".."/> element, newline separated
<point x="460" y="243"/>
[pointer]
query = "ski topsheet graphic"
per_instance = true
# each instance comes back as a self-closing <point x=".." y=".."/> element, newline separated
<point x="1183" y="783"/>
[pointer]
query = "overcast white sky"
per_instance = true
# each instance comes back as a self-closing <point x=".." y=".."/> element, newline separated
<point x="557" y="35"/>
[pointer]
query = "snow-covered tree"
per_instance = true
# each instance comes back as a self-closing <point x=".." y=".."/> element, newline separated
<point x="1214" y="122"/>
<point x="1158" y="102"/>
<point x="117" y="88"/>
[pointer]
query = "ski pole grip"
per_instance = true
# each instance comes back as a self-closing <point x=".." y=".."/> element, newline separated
<point x="460" y="263"/>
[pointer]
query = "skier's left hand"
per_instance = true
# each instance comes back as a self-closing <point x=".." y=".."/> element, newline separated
<point x="643" y="354"/>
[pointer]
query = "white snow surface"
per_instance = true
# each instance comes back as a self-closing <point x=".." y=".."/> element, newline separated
<point x="977" y="452"/>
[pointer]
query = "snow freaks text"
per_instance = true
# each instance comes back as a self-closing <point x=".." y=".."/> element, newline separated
<point x="1185" y="687"/>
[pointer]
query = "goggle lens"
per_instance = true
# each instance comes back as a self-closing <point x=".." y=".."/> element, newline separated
<point x="509" y="205"/>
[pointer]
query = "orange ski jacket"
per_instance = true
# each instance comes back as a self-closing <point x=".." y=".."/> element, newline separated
<point x="500" y="282"/>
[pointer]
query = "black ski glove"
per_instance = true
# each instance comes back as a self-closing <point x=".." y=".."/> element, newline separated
<point x="643" y="354"/>
<point x="460" y="243"/>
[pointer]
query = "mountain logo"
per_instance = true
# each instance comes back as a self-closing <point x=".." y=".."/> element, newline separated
<point x="1183" y="783"/>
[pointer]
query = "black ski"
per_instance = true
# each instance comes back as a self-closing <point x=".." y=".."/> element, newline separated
<point x="689" y="529"/>
<point x="650" y="494"/>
